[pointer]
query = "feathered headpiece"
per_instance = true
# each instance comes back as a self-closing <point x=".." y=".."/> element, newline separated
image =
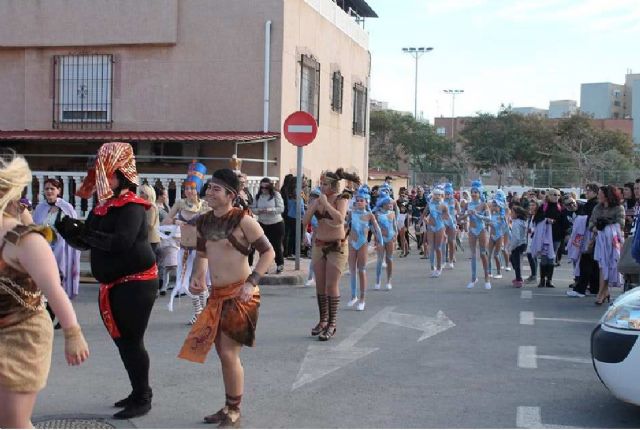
<point x="383" y="200"/>
<point x="500" y="198"/>
<point x="448" y="188"/>
<point x="476" y="185"/>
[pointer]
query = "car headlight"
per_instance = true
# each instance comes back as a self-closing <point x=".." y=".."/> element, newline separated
<point x="625" y="312"/>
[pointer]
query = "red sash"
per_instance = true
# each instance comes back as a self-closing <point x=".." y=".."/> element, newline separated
<point x="105" y="304"/>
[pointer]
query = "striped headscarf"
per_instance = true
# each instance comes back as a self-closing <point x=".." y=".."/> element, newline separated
<point x="112" y="156"/>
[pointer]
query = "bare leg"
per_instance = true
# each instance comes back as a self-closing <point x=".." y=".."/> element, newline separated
<point x="362" y="272"/>
<point x="16" y="409"/>
<point x="483" y="242"/>
<point x="437" y="244"/>
<point x="451" y="243"/>
<point x="389" y="260"/>
<point x="472" y="247"/>
<point x="353" y="257"/>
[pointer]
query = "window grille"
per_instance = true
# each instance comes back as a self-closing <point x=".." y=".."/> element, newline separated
<point x="337" y="84"/>
<point x="359" y="109"/>
<point x="83" y="91"/>
<point x="310" y="86"/>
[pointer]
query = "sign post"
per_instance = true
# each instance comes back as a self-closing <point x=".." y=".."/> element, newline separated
<point x="300" y="128"/>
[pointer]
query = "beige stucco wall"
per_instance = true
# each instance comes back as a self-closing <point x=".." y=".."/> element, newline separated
<point x="38" y="23"/>
<point x="211" y="79"/>
<point x="307" y="31"/>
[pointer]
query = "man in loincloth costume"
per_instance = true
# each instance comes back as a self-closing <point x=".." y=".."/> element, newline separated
<point x="225" y="237"/>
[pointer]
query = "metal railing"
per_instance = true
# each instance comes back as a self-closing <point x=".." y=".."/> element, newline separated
<point x="72" y="180"/>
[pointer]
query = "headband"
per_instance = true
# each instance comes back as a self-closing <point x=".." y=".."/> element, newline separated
<point x="223" y="184"/>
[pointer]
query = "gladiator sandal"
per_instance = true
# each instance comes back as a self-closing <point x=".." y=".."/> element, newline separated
<point x="330" y="330"/>
<point x="232" y="417"/>
<point x="323" y="307"/>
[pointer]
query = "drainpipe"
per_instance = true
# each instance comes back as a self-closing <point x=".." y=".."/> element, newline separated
<point x="267" y="79"/>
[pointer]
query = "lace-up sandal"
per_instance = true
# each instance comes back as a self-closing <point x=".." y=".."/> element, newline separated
<point x="330" y="330"/>
<point x="323" y="307"/>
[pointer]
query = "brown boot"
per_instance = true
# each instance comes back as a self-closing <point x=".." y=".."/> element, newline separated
<point x="323" y="307"/>
<point x="330" y="330"/>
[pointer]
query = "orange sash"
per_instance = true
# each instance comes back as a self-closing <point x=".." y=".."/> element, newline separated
<point x="203" y="333"/>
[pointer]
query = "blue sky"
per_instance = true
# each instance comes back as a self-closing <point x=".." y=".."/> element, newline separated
<point x="519" y="52"/>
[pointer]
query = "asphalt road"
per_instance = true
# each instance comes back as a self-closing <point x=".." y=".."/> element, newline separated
<point x="428" y="353"/>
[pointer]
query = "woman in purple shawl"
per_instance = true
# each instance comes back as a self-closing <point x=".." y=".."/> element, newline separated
<point x="46" y="213"/>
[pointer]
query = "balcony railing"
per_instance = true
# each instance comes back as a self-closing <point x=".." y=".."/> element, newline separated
<point x="72" y="180"/>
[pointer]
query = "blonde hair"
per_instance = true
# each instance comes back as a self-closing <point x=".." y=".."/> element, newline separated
<point x="149" y="191"/>
<point x="14" y="176"/>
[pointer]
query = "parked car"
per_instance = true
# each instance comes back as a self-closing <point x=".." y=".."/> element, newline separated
<point x="615" y="349"/>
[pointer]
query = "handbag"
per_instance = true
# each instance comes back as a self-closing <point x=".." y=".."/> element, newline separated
<point x="627" y="265"/>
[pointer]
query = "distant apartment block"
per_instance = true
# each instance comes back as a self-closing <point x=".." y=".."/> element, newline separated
<point x="377" y="105"/>
<point x="602" y="100"/>
<point x="562" y="108"/>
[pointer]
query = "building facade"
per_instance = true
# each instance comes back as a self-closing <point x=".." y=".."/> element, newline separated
<point x="562" y="108"/>
<point x="183" y="80"/>
<point x="603" y="100"/>
<point x="530" y="111"/>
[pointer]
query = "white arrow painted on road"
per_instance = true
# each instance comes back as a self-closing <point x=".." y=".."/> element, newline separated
<point x="530" y="417"/>
<point x="322" y="360"/>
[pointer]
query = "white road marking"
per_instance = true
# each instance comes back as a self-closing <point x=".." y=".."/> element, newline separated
<point x="527" y="318"/>
<point x="322" y="360"/>
<point x="568" y="320"/>
<point x="526" y="294"/>
<point x="530" y="417"/>
<point x="527" y="357"/>
<point x="300" y="129"/>
<point x="569" y="359"/>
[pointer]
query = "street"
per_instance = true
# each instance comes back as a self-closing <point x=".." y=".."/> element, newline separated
<point x="428" y="353"/>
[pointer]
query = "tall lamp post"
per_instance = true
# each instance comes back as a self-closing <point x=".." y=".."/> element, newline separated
<point x="453" y="94"/>
<point x="416" y="53"/>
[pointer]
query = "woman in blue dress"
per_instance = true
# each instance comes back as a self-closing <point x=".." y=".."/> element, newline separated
<point x="497" y="230"/>
<point x="478" y="215"/>
<point x="386" y="218"/>
<point x="451" y="230"/>
<point x="438" y="214"/>
<point x="361" y="221"/>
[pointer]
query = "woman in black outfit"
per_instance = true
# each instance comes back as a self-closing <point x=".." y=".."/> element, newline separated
<point x="550" y="212"/>
<point x="122" y="261"/>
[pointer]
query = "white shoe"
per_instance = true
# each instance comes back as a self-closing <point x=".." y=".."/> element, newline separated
<point x="389" y="286"/>
<point x="384" y="264"/>
<point x="438" y="272"/>
<point x="508" y="269"/>
<point x="352" y="302"/>
<point x="360" y="306"/>
<point x="472" y="284"/>
<point x="310" y="283"/>
<point x="377" y="286"/>
<point x="487" y="285"/>
<point x="449" y="266"/>
<point x="498" y="276"/>
<point x="572" y="293"/>
<point x="434" y="274"/>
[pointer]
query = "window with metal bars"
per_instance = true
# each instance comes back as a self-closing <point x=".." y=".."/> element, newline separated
<point x="359" y="109"/>
<point x="83" y="91"/>
<point x="337" y="84"/>
<point x="310" y="86"/>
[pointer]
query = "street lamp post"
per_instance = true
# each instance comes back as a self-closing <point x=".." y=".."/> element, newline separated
<point x="416" y="53"/>
<point x="453" y="94"/>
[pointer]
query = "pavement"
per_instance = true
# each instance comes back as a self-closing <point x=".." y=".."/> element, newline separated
<point x="427" y="354"/>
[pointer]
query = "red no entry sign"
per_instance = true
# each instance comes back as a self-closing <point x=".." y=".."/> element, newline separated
<point x="300" y="128"/>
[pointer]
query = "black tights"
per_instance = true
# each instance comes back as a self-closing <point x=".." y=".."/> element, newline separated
<point x="275" y="234"/>
<point x="516" y="254"/>
<point x="131" y="304"/>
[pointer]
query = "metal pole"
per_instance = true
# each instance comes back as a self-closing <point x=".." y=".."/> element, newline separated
<point x="415" y="96"/>
<point x="298" y="207"/>
<point x="453" y="115"/>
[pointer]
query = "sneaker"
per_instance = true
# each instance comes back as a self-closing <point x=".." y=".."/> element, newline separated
<point x="471" y="284"/>
<point x="530" y="279"/>
<point x="377" y="286"/>
<point x="360" y="306"/>
<point x="434" y="274"/>
<point x="572" y="293"/>
<point x="487" y="285"/>
<point x="310" y="283"/>
<point x="438" y="272"/>
<point x="384" y="264"/>
<point x="517" y="284"/>
<point x="549" y="285"/>
<point x="352" y="302"/>
<point x="279" y="269"/>
<point x="508" y="269"/>
<point x="498" y="276"/>
<point x="389" y="286"/>
<point x="449" y="266"/>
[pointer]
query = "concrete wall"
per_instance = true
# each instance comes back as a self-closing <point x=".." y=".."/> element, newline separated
<point x="307" y="31"/>
<point x="599" y="100"/>
<point x="211" y="79"/>
<point x="562" y="108"/>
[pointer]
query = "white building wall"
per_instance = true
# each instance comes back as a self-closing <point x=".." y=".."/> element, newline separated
<point x="562" y="108"/>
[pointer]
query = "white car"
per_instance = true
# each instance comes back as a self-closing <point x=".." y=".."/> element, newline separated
<point x="615" y="349"/>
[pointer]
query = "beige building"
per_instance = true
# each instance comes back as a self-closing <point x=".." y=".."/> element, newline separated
<point x="183" y="80"/>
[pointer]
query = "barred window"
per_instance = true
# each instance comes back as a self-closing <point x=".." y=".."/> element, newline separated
<point x="359" y="109"/>
<point x="310" y="86"/>
<point x="337" y="84"/>
<point x="83" y="91"/>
